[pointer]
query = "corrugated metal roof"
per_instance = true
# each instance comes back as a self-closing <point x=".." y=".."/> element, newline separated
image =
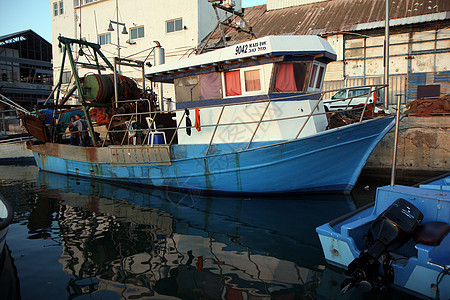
<point x="337" y="16"/>
<point x="22" y="33"/>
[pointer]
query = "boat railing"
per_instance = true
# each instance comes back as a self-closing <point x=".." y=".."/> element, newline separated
<point x="133" y="117"/>
<point x="127" y="119"/>
<point x="15" y="140"/>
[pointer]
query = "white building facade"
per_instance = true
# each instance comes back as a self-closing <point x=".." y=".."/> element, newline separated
<point x="179" y="27"/>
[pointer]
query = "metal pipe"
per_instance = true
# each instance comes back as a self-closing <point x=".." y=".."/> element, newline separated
<point x="118" y="34"/>
<point x="309" y="116"/>
<point x="116" y="87"/>
<point x="178" y="127"/>
<point x="386" y="55"/>
<point x="215" y="129"/>
<point x="259" y="123"/>
<point x="394" y="154"/>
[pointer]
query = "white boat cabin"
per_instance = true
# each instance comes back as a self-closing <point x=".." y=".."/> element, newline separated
<point x="218" y="86"/>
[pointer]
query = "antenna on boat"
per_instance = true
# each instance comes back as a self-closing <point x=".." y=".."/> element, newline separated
<point x="394" y="154"/>
<point x="228" y="7"/>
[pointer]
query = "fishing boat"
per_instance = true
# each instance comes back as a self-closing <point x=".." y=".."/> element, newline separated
<point x="6" y="217"/>
<point x="401" y="240"/>
<point x="259" y="124"/>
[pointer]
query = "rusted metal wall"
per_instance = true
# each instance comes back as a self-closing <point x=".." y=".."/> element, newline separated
<point x="416" y="58"/>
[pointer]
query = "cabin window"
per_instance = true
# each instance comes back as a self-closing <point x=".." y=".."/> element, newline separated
<point x="210" y="86"/>
<point x="187" y="89"/>
<point x="290" y="77"/>
<point x="320" y="77"/>
<point x="313" y="76"/>
<point x="252" y="80"/>
<point x="198" y="87"/>
<point x="233" y="83"/>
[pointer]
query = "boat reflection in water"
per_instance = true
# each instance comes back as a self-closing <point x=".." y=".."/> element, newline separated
<point x="148" y="242"/>
<point x="9" y="282"/>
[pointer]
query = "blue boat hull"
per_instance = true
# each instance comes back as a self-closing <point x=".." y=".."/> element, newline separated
<point x="327" y="162"/>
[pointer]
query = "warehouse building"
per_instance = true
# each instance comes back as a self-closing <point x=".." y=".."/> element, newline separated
<point x="419" y="40"/>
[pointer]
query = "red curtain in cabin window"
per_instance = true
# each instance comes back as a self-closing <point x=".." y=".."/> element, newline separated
<point x="285" y="80"/>
<point x="233" y="83"/>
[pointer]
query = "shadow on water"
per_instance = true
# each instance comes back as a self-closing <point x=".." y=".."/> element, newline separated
<point x="126" y="242"/>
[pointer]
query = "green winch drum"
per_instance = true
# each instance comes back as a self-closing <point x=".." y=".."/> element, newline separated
<point x="98" y="88"/>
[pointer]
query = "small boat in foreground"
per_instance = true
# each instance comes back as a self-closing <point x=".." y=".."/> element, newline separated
<point x="14" y="150"/>
<point x="260" y="124"/>
<point x="402" y="240"/>
<point x="6" y="217"/>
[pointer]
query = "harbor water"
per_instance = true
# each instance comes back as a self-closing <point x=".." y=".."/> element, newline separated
<point x="86" y="239"/>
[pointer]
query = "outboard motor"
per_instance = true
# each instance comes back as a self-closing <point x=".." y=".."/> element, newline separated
<point x="392" y="229"/>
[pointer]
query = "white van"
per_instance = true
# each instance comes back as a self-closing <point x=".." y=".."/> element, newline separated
<point x="351" y="97"/>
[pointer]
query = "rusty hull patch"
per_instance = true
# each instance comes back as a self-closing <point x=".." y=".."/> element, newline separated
<point x="118" y="155"/>
<point x="76" y="153"/>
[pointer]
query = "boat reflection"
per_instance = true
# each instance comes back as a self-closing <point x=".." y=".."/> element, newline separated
<point x="141" y="242"/>
<point x="9" y="282"/>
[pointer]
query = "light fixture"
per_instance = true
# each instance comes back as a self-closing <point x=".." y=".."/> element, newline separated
<point x="110" y="28"/>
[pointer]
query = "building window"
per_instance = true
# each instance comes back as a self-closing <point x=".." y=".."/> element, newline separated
<point x="88" y="1"/>
<point x="55" y="9"/>
<point x="104" y="38"/>
<point x="66" y="77"/>
<point x="174" y="25"/>
<point x="61" y="7"/>
<point x="76" y="3"/>
<point x="252" y="81"/>
<point x="137" y="32"/>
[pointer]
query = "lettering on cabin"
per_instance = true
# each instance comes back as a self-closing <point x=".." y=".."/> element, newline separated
<point x="251" y="47"/>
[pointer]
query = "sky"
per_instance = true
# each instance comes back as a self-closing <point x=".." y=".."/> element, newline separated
<point x="18" y="15"/>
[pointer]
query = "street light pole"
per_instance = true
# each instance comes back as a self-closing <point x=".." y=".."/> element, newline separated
<point x="124" y="31"/>
<point x="118" y="34"/>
